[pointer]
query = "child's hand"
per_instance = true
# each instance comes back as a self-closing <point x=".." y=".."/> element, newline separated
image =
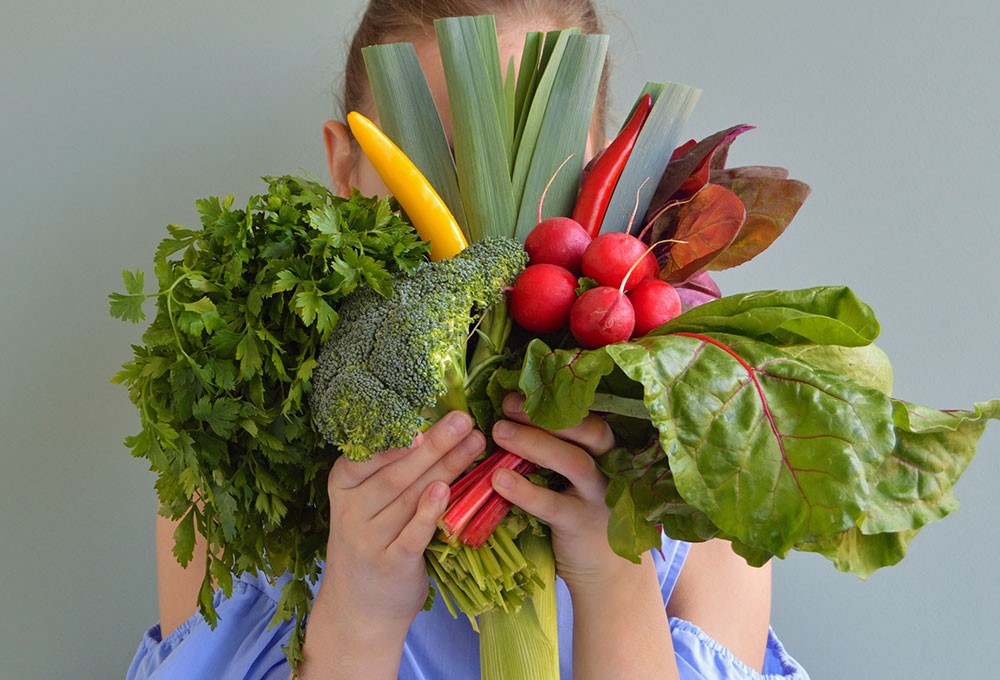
<point x="577" y="516"/>
<point x="383" y="513"/>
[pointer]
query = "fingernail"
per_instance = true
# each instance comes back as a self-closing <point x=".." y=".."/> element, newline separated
<point x="513" y="403"/>
<point x="477" y="442"/>
<point x="439" y="491"/>
<point x="503" y="479"/>
<point x="503" y="430"/>
<point x="458" y="421"/>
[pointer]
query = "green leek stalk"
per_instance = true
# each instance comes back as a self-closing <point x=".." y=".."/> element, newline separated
<point x="523" y="643"/>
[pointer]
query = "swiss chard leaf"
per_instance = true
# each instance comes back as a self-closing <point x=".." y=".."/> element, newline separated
<point x="629" y="534"/>
<point x="772" y="450"/>
<point x="913" y="487"/>
<point x="559" y="385"/>
<point x="867" y="365"/>
<point x="915" y="484"/>
<point x="827" y="315"/>
<point x="751" y="444"/>
<point x="860" y="554"/>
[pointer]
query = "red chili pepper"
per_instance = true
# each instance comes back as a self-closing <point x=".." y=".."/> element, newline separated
<point x="599" y="184"/>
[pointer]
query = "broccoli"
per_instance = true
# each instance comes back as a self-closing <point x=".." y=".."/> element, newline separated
<point x="392" y="366"/>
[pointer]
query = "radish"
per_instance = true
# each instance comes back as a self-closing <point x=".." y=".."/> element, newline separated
<point x="557" y="240"/>
<point x="610" y="256"/>
<point x="654" y="302"/>
<point x="601" y="316"/>
<point x="542" y="296"/>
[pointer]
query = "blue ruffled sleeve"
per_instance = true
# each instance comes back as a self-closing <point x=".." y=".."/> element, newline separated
<point x="699" y="657"/>
<point x="241" y="645"/>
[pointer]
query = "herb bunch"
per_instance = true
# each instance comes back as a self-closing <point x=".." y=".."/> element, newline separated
<point x="221" y="377"/>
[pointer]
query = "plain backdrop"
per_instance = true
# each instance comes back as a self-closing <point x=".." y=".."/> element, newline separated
<point x="116" y="115"/>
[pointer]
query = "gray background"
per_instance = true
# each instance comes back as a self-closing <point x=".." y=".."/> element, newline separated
<point x="115" y="116"/>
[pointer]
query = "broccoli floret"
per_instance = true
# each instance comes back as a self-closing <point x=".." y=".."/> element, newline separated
<point x="394" y="365"/>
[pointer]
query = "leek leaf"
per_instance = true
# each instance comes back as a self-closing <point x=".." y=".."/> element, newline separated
<point x="563" y="132"/>
<point x="478" y="112"/>
<point x="672" y="105"/>
<point x="407" y="114"/>
<point x="555" y="45"/>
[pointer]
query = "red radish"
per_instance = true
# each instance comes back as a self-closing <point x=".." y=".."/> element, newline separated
<point x="557" y="240"/>
<point x="610" y="256"/>
<point x="601" y="316"/>
<point x="654" y="302"/>
<point x="542" y="296"/>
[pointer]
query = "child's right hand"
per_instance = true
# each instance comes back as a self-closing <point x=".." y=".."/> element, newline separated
<point x="383" y="514"/>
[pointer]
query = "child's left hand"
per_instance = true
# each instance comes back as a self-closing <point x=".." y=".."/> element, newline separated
<point x="578" y="516"/>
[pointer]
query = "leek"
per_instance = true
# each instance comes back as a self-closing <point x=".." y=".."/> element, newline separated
<point x="525" y="643"/>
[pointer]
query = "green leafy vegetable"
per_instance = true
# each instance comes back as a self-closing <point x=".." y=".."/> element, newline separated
<point x="732" y="432"/>
<point x="222" y="374"/>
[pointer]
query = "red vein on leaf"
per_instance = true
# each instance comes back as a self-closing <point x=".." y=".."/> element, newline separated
<point x="752" y="372"/>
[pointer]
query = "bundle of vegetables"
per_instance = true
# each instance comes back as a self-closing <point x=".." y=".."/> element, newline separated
<point x="762" y="418"/>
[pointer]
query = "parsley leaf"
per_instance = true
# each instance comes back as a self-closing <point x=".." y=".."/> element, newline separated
<point x="242" y="306"/>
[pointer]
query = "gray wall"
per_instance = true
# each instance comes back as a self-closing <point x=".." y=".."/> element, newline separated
<point x="115" y="116"/>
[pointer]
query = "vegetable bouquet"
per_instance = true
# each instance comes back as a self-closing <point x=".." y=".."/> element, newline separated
<point x="309" y="326"/>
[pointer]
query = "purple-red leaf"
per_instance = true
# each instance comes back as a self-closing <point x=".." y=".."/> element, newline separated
<point x="771" y="203"/>
<point x="697" y="290"/>
<point x="689" y="169"/>
<point x="728" y="175"/>
<point x="699" y="229"/>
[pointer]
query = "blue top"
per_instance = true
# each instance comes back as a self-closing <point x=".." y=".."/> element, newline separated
<point x="438" y="646"/>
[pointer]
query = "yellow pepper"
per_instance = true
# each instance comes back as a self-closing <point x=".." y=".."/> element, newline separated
<point x="425" y="208"/>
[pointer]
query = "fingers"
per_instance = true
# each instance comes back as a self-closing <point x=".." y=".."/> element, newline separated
<point x="427" y="446"/>
<point x="442" y="452"/>
<point x="398" y="510"/>
<point x="546" y="450"/>
<point x="418" y="532"/>
<point x="548" y="506"/>
<point x="593" y="434"/>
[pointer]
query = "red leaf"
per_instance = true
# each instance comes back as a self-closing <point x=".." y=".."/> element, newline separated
<point x="728" y="175"/>
<point x="702" y="227"/>
<point x="771" y="202"/>
<point x="689" y="168"/>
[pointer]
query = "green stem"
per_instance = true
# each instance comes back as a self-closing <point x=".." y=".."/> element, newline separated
<point x="170" y="314"/>
<point x="494" y="329"/>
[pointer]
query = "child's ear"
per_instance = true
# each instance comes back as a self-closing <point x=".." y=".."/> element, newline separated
<point x="339" y="156"/>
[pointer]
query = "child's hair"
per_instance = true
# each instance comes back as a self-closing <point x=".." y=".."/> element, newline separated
<point x="388" y="20"/>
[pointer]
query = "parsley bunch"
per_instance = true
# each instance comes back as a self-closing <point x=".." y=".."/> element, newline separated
<point x="221" y="377"/>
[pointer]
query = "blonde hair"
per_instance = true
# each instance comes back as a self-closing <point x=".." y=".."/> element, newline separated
<point x="386" y="20"/>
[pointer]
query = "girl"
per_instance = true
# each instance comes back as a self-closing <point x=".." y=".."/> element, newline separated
<point x="707" y="620"/>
